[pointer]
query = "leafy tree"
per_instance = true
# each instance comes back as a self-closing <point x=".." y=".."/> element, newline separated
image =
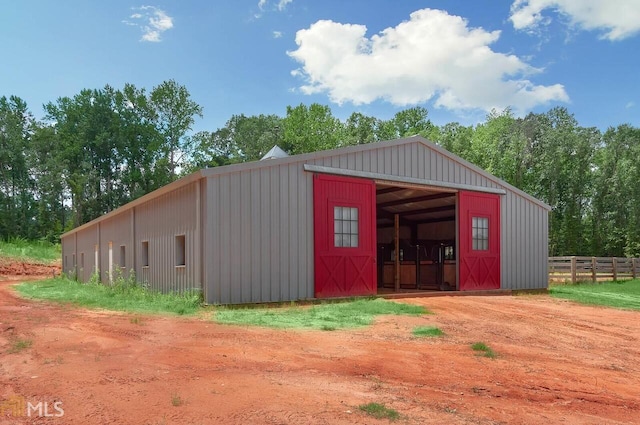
<point x="406" y="123"/>
<point x="16" y="184"/>
<point x="455" y="138"/>
<point x="175" y="114"/>
<point x="615" y="220"/>
<point x="311" y="128"/>
<point x="360" y="129"/>
<point x="212" y="149"/>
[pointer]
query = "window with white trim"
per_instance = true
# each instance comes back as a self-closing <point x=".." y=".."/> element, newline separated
<point x="480" y="233"/>
<point x="345" y="222"/>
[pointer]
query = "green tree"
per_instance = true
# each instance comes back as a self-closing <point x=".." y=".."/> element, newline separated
<point x="50" y="190"/>
<point x="212" y="149"/>
<point x="175" y="114"/>
<point x="16" y="185"/>
<point x="360" y="129"/>
<point x="406" y="123"/>
<point x="615" y="224"/>
<point x="311" y="128"/>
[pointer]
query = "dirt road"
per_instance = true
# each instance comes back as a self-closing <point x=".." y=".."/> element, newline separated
<point x="557" y="363"/>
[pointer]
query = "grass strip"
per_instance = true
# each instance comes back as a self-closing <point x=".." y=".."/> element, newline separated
<point x="120" y="296"/>
<point x="427" y="331"/>
<point x="326" y="317"/>
<point x="620" y="294"/>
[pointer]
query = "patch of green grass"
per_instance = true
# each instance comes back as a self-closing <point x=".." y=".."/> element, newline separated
<point x="20" y="344"/>
<point x="483" y="350"/>
<point x="122" y="295"/>
<point x="326" y="317"/>
<point x="431" y="331"/>
<point x="176" y="400"/>
<point x="621" y="294"/>
<point x="40" y="251"/>
<point x="379" y="411"/>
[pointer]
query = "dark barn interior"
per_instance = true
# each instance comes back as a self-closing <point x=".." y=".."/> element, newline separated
<point x="416" y="239"/>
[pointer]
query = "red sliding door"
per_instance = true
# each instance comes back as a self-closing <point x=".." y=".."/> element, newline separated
<point x="479" y="239"/>
<point x="344" y="236"/>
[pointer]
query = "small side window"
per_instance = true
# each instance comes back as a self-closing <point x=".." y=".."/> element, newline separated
<point x="345" y="230"/>
<point x="180" y="251"/>
<point x="123" y="256"/>
<point x="145" y="253"/>
<point x="480" y="233"/>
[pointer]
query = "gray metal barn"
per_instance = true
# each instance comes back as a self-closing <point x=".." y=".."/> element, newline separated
<point x="395" y="216"/>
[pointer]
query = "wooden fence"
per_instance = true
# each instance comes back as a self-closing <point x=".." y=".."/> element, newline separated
<point x="581" y="269"/>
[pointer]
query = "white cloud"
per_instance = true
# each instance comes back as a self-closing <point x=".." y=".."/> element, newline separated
<point x="618" y="19"/>
<point x="433" y="56"/>
<point x="282" y="4"/>
<point x="151" y="21"/>
<point x="277" y="34"/>
<point x="630" y="104"/>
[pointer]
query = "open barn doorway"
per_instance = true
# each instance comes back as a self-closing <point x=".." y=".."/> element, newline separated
<point x="416" y="238"/>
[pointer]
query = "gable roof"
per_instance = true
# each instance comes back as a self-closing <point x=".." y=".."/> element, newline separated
<point x="209" y="172"/>
<point x="216" y="171"/>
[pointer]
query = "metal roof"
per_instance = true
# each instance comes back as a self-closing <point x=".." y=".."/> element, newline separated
<point x="217" y="171"/>
<point x="275" y="153"/>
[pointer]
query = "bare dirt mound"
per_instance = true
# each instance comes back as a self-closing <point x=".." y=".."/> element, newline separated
<point x="12" y="268"/>
<point x="557" y="363"/>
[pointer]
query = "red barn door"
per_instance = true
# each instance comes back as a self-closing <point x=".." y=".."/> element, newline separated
<point x="344" y="232"/>
<point x="479" y="233"/>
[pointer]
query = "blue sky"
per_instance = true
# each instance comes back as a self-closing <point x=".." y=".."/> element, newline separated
<point x="457" y="58"/>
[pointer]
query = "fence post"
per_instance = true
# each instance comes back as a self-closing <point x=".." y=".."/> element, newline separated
<point x="593" y="270"/>
<point x="614" y="262"/>
<point x="574" y="278"/>
<point x="633" y="268"/>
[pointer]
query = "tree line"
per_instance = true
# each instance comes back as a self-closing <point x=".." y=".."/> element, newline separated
<point x="102" y="148"/>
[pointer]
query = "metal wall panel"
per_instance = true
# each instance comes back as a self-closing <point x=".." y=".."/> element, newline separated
<point x="409" y="160"/>
<point x="259" y="237"/>
<point x="159" y="222"/>
<point x="87" y="239"/>
<point x="259" y="234"/>
<point x="524" y="241"/>
<point x="256" y="221"/>
<point x="524" y="235"/>
<point x="116" y="231"/>
<point x="68" y="251"/>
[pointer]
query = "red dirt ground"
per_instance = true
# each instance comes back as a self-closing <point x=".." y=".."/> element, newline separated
<point x="558" y="363"/>
<point x="16" y="269"/>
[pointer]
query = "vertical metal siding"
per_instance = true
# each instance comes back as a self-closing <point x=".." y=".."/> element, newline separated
<point x="159" y="221"/>
<point x="259" y="231"/>
<point x="118" y="231"/>
<point x="263" y="218"/>
<point x="524" y="235"/>
<point x="68" y="250"/>
<point x="86" y="242"/>
<point x="524" y="243"/>
<point x="257" y="228"/>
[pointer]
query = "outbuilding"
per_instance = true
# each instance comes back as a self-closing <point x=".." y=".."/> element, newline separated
<point x="389" y="217"/>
